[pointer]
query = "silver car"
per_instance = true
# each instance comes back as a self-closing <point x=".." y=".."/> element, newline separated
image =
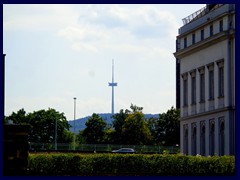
<point x="124" y="150"/>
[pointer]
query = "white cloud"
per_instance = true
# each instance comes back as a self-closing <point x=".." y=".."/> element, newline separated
<point x="84" y="47"/>
<point x="91" y="27"/>
<point x="118" y="26"/>
<point x="31" y="104"/>
<point x="82" y="33"/>
<point x="70" y="47"/>
<point x="37" y="17"/>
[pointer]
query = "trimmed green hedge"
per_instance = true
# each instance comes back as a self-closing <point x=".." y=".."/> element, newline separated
<point x="129" y="164"/>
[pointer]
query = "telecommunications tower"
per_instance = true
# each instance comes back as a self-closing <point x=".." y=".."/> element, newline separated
<point x="112" y="84"/>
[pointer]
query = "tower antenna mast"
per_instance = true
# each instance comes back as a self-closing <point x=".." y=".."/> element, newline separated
<point x="112" y="84"/>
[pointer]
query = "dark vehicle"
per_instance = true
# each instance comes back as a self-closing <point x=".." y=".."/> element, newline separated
<point x="124" y="150"/>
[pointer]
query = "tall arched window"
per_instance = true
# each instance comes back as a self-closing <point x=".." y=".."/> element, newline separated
<point x="185" y="140"/>
<point x="203" y="139"/>
<point x="194" y="139"/>
<point x="221" y="136"/>
<point x="212" y="138"/>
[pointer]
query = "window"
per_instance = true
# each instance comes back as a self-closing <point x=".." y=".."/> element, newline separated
<point x="211" y="81"/>
<point x="193" y="38"/>
<point x="202" y="138"/>
<point x="185" y="92"/>
<point x="211" y="30"/>
<point x="202" y="87"/>
<point x="211" y="137"/>
<point x="194" y="139"/>
<point x="221" y="136"/>
<point x="185" y="42"/>
<point x="193" y="87"/>
<point x="220" y="79"/>
<point x="202" y="34"/>
<point x="221" y="26"/>
<point x="185" y="89"/>
<point x="221" y="82"/>
<point x="185" y="143"/>
<point x="211" y="85"/>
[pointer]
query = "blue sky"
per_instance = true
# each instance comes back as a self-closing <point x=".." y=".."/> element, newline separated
<point x="57" y="52"/>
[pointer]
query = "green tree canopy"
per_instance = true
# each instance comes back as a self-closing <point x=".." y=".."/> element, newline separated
<point x="94" y="132"/>
<point x="118" y="122"/>
<point x="80" y="138"/>
<point x="130" y="127"/>
<point x="42" y="125"/>
<point x="135" y="108"/>
<point x="168" y="128"/>
<point x="153" y="126"/>
<point x="135" y="129"/>
<point x="17" y="118"/>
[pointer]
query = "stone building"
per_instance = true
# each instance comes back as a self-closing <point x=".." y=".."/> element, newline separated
<point x="205" y="79"/>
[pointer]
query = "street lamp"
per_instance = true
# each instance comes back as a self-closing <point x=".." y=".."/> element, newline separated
<point x="74" y="143"/>
<point x="56" y="134"/>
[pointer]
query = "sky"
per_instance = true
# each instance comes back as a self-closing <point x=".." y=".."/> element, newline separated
<point x="57" y="52"/>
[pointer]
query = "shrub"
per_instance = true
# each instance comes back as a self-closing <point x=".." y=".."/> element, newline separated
<point x="129" y="164"/>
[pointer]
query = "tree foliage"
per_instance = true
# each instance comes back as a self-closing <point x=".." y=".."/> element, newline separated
<point x="94" y="132"/>
<point x="118" y="122"/>
<point x="168" y="128"/>
<point x="80" y="138"/>
<point x="135" y="129"/>
<point x="136" y="108"/>
<point x="42" y="125"/>
<point x="130" y="127"/>
<point x="17" y="118"/>
<point x="153" y="126"/>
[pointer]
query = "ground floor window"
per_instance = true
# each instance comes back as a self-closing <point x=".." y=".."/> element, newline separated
<point x="194" y="139"/>
<point x="221" y="136"/>
<point x="203" y="139"/>
<point x="212" y="137"/>
<point x="185" y="140"/>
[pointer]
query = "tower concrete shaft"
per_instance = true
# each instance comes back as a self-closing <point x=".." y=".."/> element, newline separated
<point x="112" y="84"/>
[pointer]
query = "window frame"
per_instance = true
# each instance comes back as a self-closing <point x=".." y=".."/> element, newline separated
<point x="202" y="34"/>
<point x="211" y="30"/>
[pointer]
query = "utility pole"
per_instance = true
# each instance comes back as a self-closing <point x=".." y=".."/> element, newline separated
<point x="74" y="143"/>
<point x="56" y="134"/>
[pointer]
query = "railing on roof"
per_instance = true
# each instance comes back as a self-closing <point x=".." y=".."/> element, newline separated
<point x="201" y="12"/>
<point x="194" y="15"/>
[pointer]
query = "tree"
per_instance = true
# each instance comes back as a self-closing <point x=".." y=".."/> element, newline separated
<point x="109" y="136"/>
<point x="80" y="138"/>
<point x="135" y="129"/>
<point x="118" y="122"/>
<point x="94" y="132"/>
<point x="168" y="128"/>
<point x="42" y="125"/>
<point x="130" y="127"/>
<point x="136" y="108"/>
<point x="153" y="125"/>
<point x="67" y="136"/>
<point x="17" y="118"/>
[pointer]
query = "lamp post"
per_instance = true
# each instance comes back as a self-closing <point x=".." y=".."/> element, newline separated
<point x="74" y="143"/>
<point x="56" y="134"/>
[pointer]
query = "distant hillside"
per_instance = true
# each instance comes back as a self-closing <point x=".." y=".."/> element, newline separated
<point x="80" y="123"/>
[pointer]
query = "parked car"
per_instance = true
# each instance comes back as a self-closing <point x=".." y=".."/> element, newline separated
<point x="124" y="150"/>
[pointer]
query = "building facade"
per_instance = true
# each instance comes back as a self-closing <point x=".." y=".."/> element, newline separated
<point x="205" y="75"/>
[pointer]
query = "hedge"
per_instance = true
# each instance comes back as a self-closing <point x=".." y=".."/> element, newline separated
<point x="129" y="164"/>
